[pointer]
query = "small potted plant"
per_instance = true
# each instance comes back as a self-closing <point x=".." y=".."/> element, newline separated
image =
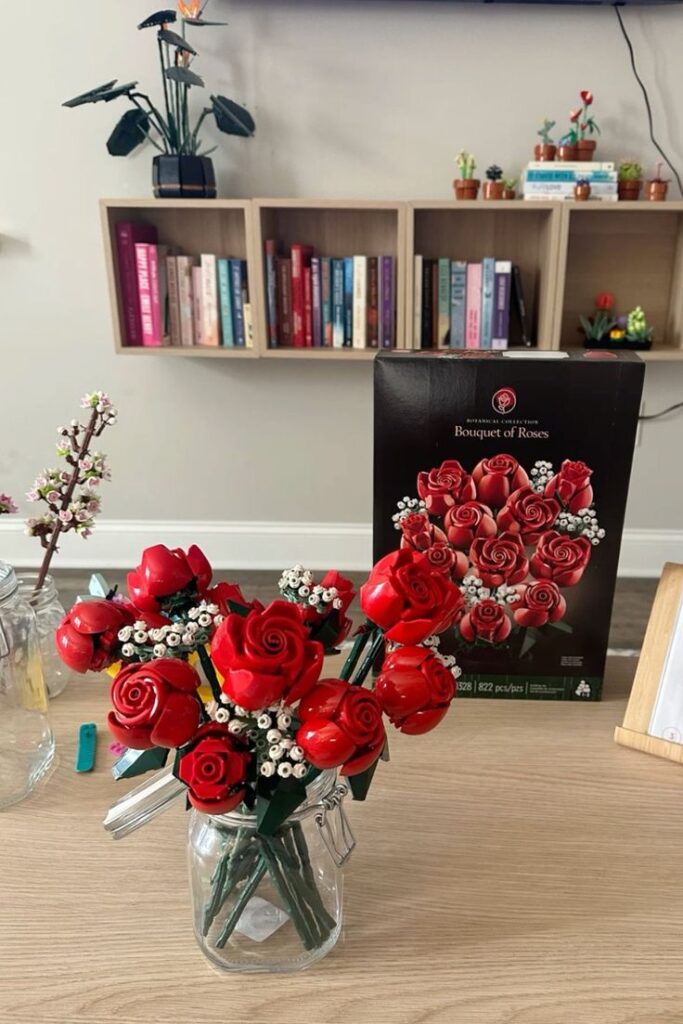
<point x="509" y="188"/>
<point x="657" y="187"/>
<point x="546" y="148"/>
<point x="466" y="186"/>
<point x="493" y="186"/>
<point x="566" y="146"/>
<point x="597" y="327"/>
<point x="586" y="125"/>
<point x="638" y="331"/>
<point x="629" y="179"/>
<point x="582" y="190"/>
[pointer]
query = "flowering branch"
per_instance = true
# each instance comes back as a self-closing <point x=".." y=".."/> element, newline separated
<point x="57" y="488"/>
<point x="7" y="505"/>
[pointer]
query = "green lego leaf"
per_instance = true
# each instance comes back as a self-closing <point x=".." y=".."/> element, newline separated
<point x="131" y="130"/>
<point x="231" y="118"/>
<point x="183" y="75"/>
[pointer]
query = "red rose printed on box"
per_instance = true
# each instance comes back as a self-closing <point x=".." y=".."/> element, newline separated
<point x="445" y="486"/>
<point x="496" y="478"/>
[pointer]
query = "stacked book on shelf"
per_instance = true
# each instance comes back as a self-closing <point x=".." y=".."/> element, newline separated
<point x="556" y="179"/>
<point x="468" y="305"/>
<point x="168" y="298"/>
<point x="315" y="301"/>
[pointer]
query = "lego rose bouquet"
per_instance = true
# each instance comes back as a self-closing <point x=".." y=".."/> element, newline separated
<point x="235" y="689"/>
<point x="511" y="540"/>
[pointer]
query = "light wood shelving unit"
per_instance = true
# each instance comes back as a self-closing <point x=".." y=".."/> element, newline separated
<point x="567" y="253"/>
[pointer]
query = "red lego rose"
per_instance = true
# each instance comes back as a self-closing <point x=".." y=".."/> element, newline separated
<point x="419" y="533"/>
<point x="561" y="558"/>
<point x="155" y="704"/>
<point x="341" y="725"/>
<point x="87" y="637"/>
<point x="408" y="598"/>
<point x="334" y="624"/>
<point x="464" y="523"/>
<point x="487" y="620"/>
<point x="163" y="572"/>
<point x="445" y="486"/>
<point x="266" y="656"/>
<point x="224" y="594"/>
<point x="604" y="301"/>
<point x="586" y="97"/>
<point x="572" y="486"/>
<point x="415" y="689"/>
<point x="500" y="559"/>
<point x="214" y="770"/>
<point x="539" y="603"/>
<point x="529" y="514"/>
<point x="447" y="560"/>
<point x="496" y="478"/>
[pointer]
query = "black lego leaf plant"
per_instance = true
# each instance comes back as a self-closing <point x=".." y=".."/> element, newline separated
<point x="169" y="125"/>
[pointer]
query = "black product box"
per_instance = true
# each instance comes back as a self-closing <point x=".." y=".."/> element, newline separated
<point x="511" y="470"/>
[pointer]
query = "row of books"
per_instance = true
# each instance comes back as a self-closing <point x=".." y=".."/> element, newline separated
<point x="556" y="179"/>
<point x="467" y="305"/>
<point x="169" y="298"/>
<point x="329" y="302"/>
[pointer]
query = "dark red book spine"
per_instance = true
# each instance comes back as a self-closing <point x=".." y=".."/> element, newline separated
<point x="308" y="307"/>
<point x="127" y="235"/>
<point x="284" y="300"/>
<point x="301" y="258"/>
<point x="372" y="339"/>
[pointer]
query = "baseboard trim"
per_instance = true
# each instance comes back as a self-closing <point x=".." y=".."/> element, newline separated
<point x="116" y="544"/>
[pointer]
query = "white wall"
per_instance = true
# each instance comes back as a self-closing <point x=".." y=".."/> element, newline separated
<point x="351" y="99"/>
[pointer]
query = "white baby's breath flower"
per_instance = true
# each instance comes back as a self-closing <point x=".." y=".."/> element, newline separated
<point x="299" y="771"/>
<point x="159" y="650"/>
<point x="268" y="769"/>
<point x="296" y="753"/>
<point x="284" y="770"/>
<point x="128" y="650"/>
<point x="125" y="633"/>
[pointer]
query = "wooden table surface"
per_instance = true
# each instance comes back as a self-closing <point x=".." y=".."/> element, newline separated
<point x="514" y="866"/>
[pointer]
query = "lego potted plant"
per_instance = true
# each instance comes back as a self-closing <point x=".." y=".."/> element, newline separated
<point x="566" y="146"/>
<point x="466" y="186"/>
<point x="546" y="148"/>
<point x="582" y="190"/>
<point x="638" y="331"/>
<point x="596" y="328"/>
<point x="493" y="186"/>
<point x="509" y="188"/>
<point x="585" y="125"/>
<point x="657" y="187"/>
<point x="629" y="180"/>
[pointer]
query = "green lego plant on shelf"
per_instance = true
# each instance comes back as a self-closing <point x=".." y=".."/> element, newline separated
<point x="466" y="186"/>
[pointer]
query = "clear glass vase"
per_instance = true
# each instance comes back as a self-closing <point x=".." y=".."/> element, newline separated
<point x="49" y="614"/>
<point x="27" y="749"/>
<point x="270" y="903"/>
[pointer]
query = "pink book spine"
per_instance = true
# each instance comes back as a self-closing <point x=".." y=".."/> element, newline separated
<point x="473" y="309"/>
<point x="142" y="260"/>
<point x="157" y="320"/>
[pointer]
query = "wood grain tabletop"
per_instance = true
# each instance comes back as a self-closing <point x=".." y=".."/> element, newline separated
<point x="513" y="867"/>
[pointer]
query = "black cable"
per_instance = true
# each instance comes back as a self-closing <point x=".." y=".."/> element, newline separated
<point x="646" y="98"/>
<point x="663" y="412"/>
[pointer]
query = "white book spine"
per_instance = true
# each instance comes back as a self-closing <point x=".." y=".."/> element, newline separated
<point x="185" y="300"/>
<point x="197" y="305"/>
<point x="417" y="299"/>
<point x="360" y="301"/>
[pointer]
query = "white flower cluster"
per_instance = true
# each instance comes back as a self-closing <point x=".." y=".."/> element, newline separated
<point x="505" y="594"/>
<point x="101" y="403"/>
<point x="271" y="733"/>
<point x="433" y="642"/>
<point x="473" y="590"/>
<point x="541" y="475"/>
<point x="175" y="640"/>
<point x="583" y="524"/>
<point x="298" y="585"/>
<point x="406" y="507"/>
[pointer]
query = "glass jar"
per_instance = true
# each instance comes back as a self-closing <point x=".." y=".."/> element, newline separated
<point x="270" y="903"/>
<point x="27" y="749"/>
<point x="49" y="614"/>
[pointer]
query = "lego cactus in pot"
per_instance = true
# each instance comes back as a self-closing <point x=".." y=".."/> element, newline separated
<point x="545" y="149"/>
<point x="629" y="180"/>
<point x="509" y="188"/>
<point x="493" y="186"/>
<point x="466" y="186"/>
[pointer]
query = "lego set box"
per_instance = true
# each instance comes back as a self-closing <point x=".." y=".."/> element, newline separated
<point x="510" y="471"/>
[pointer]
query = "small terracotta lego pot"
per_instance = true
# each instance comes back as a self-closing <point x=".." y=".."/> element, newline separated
<point x="493" y="190"/>
<point x="629" y="190"/>
<point x="466" y="188"/>
<point x="545" y="151"/>
<point x="566" y="152"/>
<point x="509" y="193"/>
<point x="656" y="190"/>
<point x="585" y="149"/>
<point x="582" y="192"/>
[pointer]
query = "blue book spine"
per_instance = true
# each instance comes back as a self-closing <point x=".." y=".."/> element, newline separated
<point x="501" y="304"/>
<point x="317" y="302"/>
<point x="271" y="293"/>
<point x="458" y="300"/>
<point x="225" y="303"/>
<point x="348" y="301"/>
<point x="236" y="272"/>
<point x="326" y="288"/>
<point x="338" y="303"/>
<point x="570" y="175"/>
<point x="488" y="274"/>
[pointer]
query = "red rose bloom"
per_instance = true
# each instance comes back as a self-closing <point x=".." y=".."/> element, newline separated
<point x="155" y="704"/>
<point x="464" y="523"/>
<point x="419" y="533"/>
<point x="447" y="560"/>
<point x="539" y="603"/>
<point x="448" y="485"/>
<point x="605" y="301"/>
<point x="87" y="637"/>
<point x="334" y="625"/>
<point x="408" y="598"/>
<point x="163" y="572"/>
<point x="572" y="485"/>
<point x="488" y="621"/>
<point x="561" y="558"/>
<point x="266" y="656"/>
<point x="574" y="115"/>
<point x="500" y="559"/>
<point x="528" y="513"/>
<point x="496" y="478"/>
<point x="587" y="97"/>
<point x="342" y="725"/>
<point x="415" y="689"/>
<point x="224" y="594"/>
<point x="214" y="770"/>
